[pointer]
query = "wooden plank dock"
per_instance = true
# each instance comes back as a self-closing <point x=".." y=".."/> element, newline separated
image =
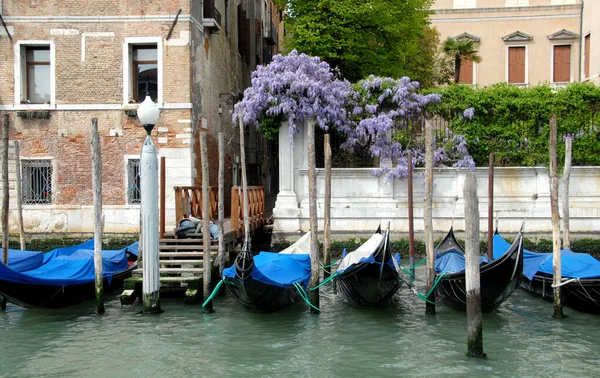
<point x="181" y="260"/>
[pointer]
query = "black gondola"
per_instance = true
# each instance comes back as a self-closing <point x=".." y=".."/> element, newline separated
<point x="269" y="281"/>
<point x="64" y="276"/>
<point x="498" y="278"/>
<point x="581" y="294"/>
<point x="369" y="276"/>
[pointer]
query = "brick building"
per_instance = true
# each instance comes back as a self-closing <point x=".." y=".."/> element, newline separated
<point x="64" y="62"/>
<point x="525" y="42"/>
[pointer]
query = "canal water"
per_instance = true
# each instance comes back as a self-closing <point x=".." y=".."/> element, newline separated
<point x="521" y="340"/>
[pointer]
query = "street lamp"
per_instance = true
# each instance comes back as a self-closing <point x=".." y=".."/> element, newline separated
<point x="148" y="114"/>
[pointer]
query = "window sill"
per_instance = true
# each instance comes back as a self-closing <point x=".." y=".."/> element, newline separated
<point x="34" y="114"/>
<point x="35" y="106"/>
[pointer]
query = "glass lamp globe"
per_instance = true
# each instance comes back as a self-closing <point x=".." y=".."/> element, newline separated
<point x="148" y="113"/>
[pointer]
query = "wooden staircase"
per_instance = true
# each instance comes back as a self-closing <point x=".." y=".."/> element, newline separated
<point x="181" y="269"/>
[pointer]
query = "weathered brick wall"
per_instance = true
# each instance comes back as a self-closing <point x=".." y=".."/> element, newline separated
<point x="93" y="7"/>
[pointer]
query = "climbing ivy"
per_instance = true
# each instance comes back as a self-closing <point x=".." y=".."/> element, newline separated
<point x="513" y="121"/>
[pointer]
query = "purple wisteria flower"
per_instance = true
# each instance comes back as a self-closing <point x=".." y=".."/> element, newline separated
<point x="469" y="113"/>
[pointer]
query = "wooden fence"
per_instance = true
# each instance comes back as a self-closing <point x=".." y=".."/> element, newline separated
<point x="256" y="208"/>
<point x="188" y="202"/>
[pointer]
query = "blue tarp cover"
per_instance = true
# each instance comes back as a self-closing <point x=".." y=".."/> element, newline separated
<point x="278" y="269"/>
<point x="20" y="260"/>
<point x="453" y="261"/>
<point x="68" y="266"/>
<point x="574" y="264"/>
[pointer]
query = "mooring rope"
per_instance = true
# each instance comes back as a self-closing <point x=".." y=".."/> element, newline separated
<point x="212" y="295"/>
<point x="424" y="297"/>
<point x="565" y="282"/>
<point x="324" y="282"/>
<point x="304" y="296"/>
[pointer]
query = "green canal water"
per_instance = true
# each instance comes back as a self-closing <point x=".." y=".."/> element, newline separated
<point x="521" y="340"/>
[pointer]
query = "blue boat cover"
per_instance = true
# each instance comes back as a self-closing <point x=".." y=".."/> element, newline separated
<point x="574" y="264"/>
<point x="68" y="266"/>
<point x="278" y="269"/>
<point x="21" y="260"/>
<point x="453" y="261"/>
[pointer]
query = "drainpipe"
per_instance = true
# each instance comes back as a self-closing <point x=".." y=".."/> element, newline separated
<point x="581" y="39"/>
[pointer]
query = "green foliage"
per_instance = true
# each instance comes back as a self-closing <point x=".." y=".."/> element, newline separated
<point x="269" y="126"/>
<point x="513" y="121"/>
<point x="380" y="37"/>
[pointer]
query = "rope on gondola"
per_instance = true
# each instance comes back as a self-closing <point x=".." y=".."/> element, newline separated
<point x="424" y="297"/>
<point x="304" y="296"/>
<point x="324" y="282"/>
<point x="243" y="269"/>
<point x="330" y="265"/>
<point x="212" y="295"/>
<point x="566" y="282"/>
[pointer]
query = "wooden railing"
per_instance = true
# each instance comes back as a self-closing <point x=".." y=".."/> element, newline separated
<point x="188" y="201"/>
<point x="256" y="208"/>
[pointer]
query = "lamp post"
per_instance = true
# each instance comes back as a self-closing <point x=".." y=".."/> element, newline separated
<point x="148" y="114"/>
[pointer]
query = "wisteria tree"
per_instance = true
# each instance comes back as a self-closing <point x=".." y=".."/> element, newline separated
<point x="297" y="87"/>
<point x="372" y="114"/>
<point x="385" y="113"/>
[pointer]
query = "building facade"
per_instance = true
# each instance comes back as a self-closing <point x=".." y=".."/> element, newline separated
<point x="525" y="42"/>
<point x="65" y="62"/>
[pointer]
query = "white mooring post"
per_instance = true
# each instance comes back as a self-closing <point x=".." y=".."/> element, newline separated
<point x="473" y="284"/>
<point x="97" y="185"/>
<point x="206" y="243"/>
<point x="148" y="114"/>
<point x="565" y="185"/>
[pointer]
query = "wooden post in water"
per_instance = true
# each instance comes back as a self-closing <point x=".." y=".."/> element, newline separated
<point x="473" y="285"/>
<point x="327" y="209"/>
<point x="313" y="295"/>
<point x="556" y="255"/>
<point x="19" y="195"/>
<point x="4" y="199"/>
<point x="428" y="216"/>
<point x="246" y="245"/>
<point x="490" y="251"/>
<point x="163" y="200"/>
<point x="97" y="197"/>
<point x="411" y="220"/>
<point x="206" y="279"/>
<point x="221" y="203"/>
<point x="565" y="200"/>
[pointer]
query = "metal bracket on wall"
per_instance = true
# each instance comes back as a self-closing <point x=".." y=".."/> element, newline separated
<point x="5" y="28"/>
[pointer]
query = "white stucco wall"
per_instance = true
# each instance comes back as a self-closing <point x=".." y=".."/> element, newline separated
<point x="360" y="201"/>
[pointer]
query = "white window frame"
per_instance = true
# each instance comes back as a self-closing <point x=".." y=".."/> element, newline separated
<point x="464" y="4"/>
<point x="571" y="76"/>
<point x="508" y="46"/>
<point x="128" y="62"/>
<point x="516" y="3"/>
<point x="20" y="81"/>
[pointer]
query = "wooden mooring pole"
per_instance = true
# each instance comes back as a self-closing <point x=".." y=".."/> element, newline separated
<point x="221" y="203"/>
<point x="411" y="219"/>
<point x="490" y="251"/>
<point x="246" y="246"/>
<point x="313" y="295"/>
<point x="565" y="184"/>
<point x="97" y="198"/>
<point x="473" y="285"/>
<point x="149" y="210"/>
<point x="206" y="279"/>
<point x="5" y="194"/>
<point x="556" y="255"/>
<point x="428" y="216"/>
<point x="327" y="209"/>
<point x="19" y="195"/>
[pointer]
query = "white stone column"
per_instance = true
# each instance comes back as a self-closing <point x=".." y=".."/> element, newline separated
<point x="285" y="213"/>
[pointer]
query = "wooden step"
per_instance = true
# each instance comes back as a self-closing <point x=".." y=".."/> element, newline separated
<point x="172" y="270"/>
<point x="181" y="262"/>
<point x="198" y="255"/>
<point x="187" y="241"/>
<point x="183" y="248"/>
